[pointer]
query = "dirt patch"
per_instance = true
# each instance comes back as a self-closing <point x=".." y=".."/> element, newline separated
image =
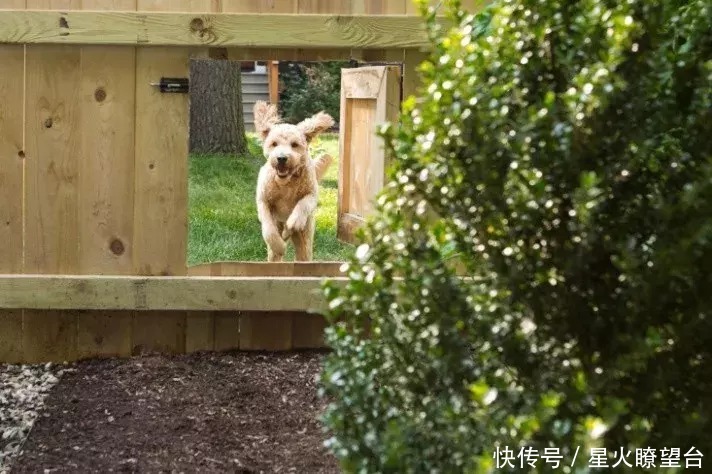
<point x="242" y="412"/>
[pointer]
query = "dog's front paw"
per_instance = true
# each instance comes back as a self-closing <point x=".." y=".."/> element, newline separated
<point x="274" y="241"/>
<point x="297" y="222"/>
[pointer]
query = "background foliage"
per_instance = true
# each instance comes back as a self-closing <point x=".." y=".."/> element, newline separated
<point x="562" y="152"/>
<point x="307" y="88"/>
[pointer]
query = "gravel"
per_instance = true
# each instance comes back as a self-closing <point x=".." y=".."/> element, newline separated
<point x="23" y="389"/>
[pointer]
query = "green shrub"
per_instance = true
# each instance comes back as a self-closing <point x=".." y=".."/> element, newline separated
<point x="308" y="88"/>
<point x="562" y="152"/>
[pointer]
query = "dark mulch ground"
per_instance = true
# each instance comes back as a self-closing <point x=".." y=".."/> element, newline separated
<point x="241" y="413"/>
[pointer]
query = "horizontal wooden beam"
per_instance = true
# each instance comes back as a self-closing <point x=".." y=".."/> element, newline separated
<point x="265" y="269"/>
<point x="215" y="30"/>
<point x="191" y="293"/>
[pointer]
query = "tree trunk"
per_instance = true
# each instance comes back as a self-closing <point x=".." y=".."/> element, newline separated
<point x="216" y="119"/>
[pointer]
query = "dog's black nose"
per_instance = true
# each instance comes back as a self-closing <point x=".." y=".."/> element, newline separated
<point x="282" y="159"/>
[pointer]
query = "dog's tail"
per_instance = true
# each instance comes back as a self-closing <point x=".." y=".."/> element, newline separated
<point x="322" y="165"/>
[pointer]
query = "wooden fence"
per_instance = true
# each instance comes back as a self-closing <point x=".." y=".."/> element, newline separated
<point x="93" y="169"/>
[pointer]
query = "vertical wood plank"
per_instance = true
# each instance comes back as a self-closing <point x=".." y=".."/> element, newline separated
<point x="104" y="334"/>
<point x="200" y="331"/>
<point x="227" y="331"/>
<point x="265" y="331"/>
<point x="161" y="157"/>
<point x="53" y="152"/>
<point x="106" y="182"/>
<point x="325" y="6"/>
<point x="13" y="5"/>
<point x="11" y="170"/>
<point x="388" y="109"/>
<point x="344" y="178"/>
<point x="370" y="96"/>
<point x="53" y="139"/>
<point x="106" y="177"/>
<point x="161" y="190"/>
<point x="54" y="4"/>
<point x="273" y="76"/>
<point x="308" y="331"/>
<point x="158" y="331"/>
<point x="197" y="6"/>
<point x="259" y="6"/>
<point x="109" y="5"/>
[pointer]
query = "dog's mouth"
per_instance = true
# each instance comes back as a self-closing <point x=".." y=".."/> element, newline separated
<point x="282" y="170"/>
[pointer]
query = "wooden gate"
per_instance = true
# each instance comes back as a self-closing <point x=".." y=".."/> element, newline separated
<point x="370" y="96"/>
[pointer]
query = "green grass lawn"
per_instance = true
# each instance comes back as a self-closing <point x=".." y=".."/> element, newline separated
<point x="223" y="221"/>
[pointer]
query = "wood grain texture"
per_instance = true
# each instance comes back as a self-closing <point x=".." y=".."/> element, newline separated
<point x="227" y="331"/>
<point x="308" y="331"/>
<point x="106" y="181"/>
<point x="54" y="5"/>
<point x="13" y="4"/>
<point x="328" y="6"/>
<point x="53" y="153"/>
<point x="178" y="5"/>
<point x="104" y="334"/>
<point x="214" y="30"/>
<point x="53" y="138"/>
<point x="11" y="157"/>
<point x="370" y="97"/>
<point x="85" y="292"/>
<point x="49" y="336"/>
<point x="289" y="54"/>
<point x="265" y="331"/>
<point x="259" y="6"/>
<point x="264" y="269"/>
<point x="109" y="5"/>
<point x="200" y="331"/>
<point x="161" y="165"/>
<point x="106" y="175"/>
<point x="158" y="332"/>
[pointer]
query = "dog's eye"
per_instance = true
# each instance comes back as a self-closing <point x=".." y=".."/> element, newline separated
<point x="273" y="144"/>
<point x="295" y="144"/>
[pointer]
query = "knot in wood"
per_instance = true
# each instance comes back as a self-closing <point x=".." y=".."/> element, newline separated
<point x="100" y="94"/>
<point x="202" y="30"/>
<point x="48" y="122"/>
<point x="117" y="247"/>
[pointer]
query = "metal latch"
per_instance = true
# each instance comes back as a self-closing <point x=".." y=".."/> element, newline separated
<point x="176" y="85"/>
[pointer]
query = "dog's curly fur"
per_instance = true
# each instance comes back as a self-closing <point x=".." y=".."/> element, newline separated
<point x="287" y="184"/>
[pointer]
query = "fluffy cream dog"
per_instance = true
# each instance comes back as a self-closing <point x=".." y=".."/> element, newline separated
<point x="287" y="184"/>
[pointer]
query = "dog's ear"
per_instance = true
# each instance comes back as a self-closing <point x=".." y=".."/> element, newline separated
<point x="314" y="125"/>
<point x="266" y="115"/>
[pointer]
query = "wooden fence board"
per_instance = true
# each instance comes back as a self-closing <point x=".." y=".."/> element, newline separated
<point x="161" y="154"/>
<point x="227" y="331"/>
<point x="161" y="199"/>
<point x="370" y="96"/>
<point x="263" y="269"/>
<point x="308" y="331"/>
<point x="103" y="292"/>
<point x="200" y="331"/>
<point x="11" y="169"/>
<point x="262" y="30"/>
<point x="54" y="4"/>
<point x="104" y="333"/>
<point x="51" y="190"/>
<point x="106" y="175"/>
<point x="106" y="183"/>
<point x="266" y="331"/>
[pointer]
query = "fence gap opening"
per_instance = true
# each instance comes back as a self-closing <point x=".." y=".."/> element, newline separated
<point x="223" y="224"/>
